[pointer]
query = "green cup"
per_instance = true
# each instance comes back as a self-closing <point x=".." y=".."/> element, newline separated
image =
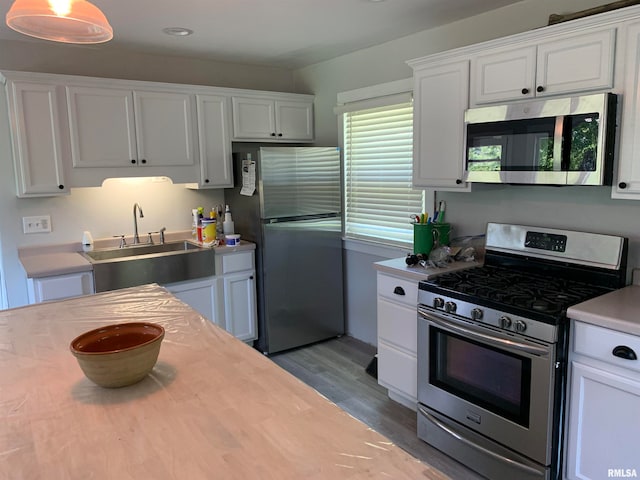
<point x="422" y="238"/>
<point x="442" y="233"/>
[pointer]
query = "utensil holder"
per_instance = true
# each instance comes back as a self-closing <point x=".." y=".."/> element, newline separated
<point x="422" y="238"/>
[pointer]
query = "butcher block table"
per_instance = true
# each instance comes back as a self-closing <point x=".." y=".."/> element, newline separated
<point x="212" y="408"/>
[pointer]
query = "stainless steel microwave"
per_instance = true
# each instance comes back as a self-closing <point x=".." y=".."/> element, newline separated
<point x="560" y="141"/>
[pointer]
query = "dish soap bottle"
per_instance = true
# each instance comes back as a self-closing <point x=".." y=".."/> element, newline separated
<point x="87" y="241"/>
<point x="227" y="225"/>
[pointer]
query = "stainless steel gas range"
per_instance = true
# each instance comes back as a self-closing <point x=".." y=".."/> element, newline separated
<point x="493" y="343"/>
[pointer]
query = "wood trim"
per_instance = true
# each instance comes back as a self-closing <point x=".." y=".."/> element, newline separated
<point x="556" y="18"/>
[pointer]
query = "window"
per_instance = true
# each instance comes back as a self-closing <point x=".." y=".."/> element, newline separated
<point x="378" y="164"/>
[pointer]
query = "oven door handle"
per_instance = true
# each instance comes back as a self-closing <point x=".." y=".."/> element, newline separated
<point x="469" y="443"/>
<point x="499" y="342"/>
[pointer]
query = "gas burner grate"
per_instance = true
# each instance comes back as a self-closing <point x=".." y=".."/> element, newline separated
<point x="505" y="287"/>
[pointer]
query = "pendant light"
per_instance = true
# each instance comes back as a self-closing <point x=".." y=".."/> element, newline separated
<point x="67" y="21"/>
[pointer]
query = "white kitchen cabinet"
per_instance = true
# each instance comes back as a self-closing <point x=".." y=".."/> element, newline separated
<point x="39" y="147"/>
<point x="57" y="287"/>
<point x="202" y="295"/>
<point x="570" y="64"/>
<point x="240" y="305"/>
<point x="273" y="119"/>
<point x="604" y="401"/>
<point x="214" y="141"/>
<point x="125" y="132"/>
<point x="397" y="332"/>
<point x="239" y="293"/>
<point x="228" y="298"/>
<point x="627" y="184"/>
<point x="440" y="98"/>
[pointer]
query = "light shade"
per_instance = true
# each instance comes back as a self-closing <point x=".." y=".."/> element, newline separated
<point x="68" y="21"/>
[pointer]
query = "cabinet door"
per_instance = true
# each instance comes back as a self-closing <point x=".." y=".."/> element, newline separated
<point x="214" y="142"/>
<point x="101" y="125"/>
<point x="253" y="118"/>
<point x="441" y="96"/>
<point x="37" y="139"/>
<point x="628" y="181"/>
<point x="60" y="286"/>
<point x="164" y="128"/>
<point x="240" y="305"/>
<point x="575" y="64"/>
<point x="503" y="75"/>
<point x="201" y="295"/>
<point x="603" y="423"/>
<point x="294" y="120"/>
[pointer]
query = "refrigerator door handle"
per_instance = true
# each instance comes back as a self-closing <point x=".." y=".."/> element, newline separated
<point x="297" y="218"/>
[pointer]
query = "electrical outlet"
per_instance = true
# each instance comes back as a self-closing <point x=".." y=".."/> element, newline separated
<point x="39" y="224"/>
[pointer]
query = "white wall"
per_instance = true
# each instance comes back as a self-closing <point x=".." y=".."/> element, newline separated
<point x="582" y="208"/>
<point x="105" y="211"/>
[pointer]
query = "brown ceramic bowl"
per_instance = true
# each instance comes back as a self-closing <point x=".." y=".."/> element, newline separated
<point x="118" y="355"/>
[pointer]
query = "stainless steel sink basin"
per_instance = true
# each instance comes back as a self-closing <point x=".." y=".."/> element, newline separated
<point x="169" y="262"/>
<point x="137" y="250"/>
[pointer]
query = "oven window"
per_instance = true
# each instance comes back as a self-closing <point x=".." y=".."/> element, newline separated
<point x="486" y="376"/>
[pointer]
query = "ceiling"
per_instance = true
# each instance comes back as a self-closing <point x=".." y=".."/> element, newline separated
<point x="281" y="33"/>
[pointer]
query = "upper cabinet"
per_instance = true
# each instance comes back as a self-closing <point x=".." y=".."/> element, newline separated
<point x="70" y="131"/>
<point x="628" y="177"/>
<point x="214" y="143"/>
<point x="273" y="119"/>
<point x="569" y="64"/>
<point x="39" y="148"/>
<point x="440" y="98"/>
<point x="116" y="129"/>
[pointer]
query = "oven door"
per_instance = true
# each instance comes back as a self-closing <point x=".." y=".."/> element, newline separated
<point x="496" y="384"/>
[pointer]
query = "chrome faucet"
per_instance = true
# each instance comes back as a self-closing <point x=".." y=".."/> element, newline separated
<point x="136" y="237"/>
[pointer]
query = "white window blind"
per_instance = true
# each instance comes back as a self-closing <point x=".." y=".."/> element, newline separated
<point x="378" y="156"/>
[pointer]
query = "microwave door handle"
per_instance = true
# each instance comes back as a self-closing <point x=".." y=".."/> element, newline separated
<point x="499" y="342"/>
<point x="475" y="446"/>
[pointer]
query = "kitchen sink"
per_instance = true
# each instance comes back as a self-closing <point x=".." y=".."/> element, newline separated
<point x="137" y="250"/>
<point x="170" y="262"/>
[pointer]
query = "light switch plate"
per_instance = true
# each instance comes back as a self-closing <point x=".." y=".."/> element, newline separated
<point x="38" y="224"/>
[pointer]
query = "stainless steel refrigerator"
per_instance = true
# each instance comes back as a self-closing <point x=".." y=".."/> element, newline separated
<point x="293" y="217"/>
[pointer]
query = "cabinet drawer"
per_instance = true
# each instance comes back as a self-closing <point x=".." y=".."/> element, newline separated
<point x="397" y="370"/>
<point x="599" y="343"/>
<point x="237" y="262"/>
<point x="398" y="289"/>
<point x="397" y="324"/>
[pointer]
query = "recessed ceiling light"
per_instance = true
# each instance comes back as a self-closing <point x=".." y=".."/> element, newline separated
<point x="177" y="31"/>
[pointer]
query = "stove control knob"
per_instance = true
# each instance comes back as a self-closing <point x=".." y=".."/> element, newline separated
<point x="476" y="314"/>
<point x="438" y="302"/>
<point x="520" y="326"/>
<point x="450" y="307"/>
<point x="505" y="322"/>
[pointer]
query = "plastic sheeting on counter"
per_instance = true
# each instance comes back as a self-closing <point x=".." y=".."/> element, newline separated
<point x="212" y="407"/>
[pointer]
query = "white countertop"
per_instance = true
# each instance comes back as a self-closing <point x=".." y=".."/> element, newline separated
<point x="398" y="266"/>
<point x="48" y="260"/>
<point x="617" y="310"/>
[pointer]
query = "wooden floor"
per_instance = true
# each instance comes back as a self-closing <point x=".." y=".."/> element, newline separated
<point x="336" y="368"/>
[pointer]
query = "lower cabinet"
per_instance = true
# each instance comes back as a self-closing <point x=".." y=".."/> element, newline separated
<point x="239" y="292"/>
<point x="202" y="295"/>
<point x="603" y="420"/>
<point x="59" y="287"/>
<point x="228" y="299"/>
<point x="397" y="332"/>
